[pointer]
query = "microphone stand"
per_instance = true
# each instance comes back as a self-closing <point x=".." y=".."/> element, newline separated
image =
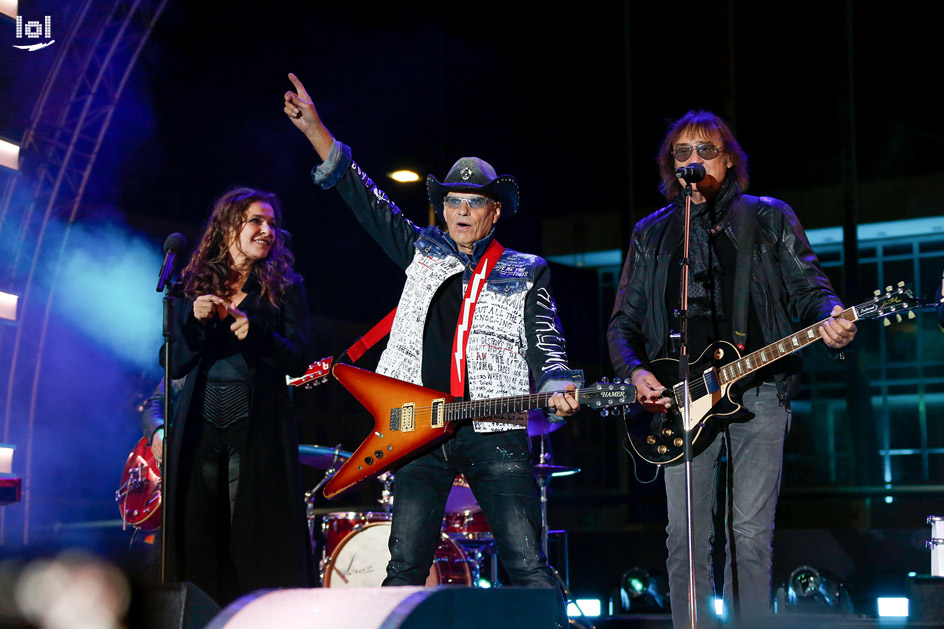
<point x="171" y="292"/>
<point x="687" y="406"/>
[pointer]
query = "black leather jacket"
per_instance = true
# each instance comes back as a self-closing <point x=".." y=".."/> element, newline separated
<point x="786" y="281"/>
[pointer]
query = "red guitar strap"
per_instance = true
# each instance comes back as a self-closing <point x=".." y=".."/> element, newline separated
<point x="380" y="330"/>
<point x="472" y="292"/>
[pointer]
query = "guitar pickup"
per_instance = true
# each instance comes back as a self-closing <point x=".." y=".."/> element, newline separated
<point x="406" y="417"/>
<point x="394" y="419"/>
<point x="711" y="381"/>
<point x="438" y="415"/>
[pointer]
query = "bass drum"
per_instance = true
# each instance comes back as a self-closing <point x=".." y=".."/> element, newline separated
<point x="338" y="525"/>
<point x="360" y="560"/>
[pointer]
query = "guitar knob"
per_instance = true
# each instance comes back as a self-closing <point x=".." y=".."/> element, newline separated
<point x="662" y="449"/>
<point x="651" y="440"/>
<point x="677" y="442"/>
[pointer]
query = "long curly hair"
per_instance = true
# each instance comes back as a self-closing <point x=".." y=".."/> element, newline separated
<point x="705" y="124"/>
<point x="211" y="271"/>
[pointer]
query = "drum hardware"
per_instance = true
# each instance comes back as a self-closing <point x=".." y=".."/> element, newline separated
<point x="322" y="457"/>
<point x="544" y="471"/>
<point x="386" y="494"/>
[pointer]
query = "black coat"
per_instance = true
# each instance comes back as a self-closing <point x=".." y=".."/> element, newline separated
<point x="269" y="542"/>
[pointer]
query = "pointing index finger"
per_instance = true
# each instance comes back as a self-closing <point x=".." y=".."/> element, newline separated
<point x="298" y="86"/>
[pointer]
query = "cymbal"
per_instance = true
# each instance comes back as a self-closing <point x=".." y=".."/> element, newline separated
<point x="539" y="425"/>
<point x="544" y="470"/>
<point x="322" y="457"/>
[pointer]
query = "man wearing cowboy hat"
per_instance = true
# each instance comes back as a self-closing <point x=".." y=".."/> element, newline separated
<point x="474" y="319"/>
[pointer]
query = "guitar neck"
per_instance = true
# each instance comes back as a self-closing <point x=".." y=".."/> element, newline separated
<point x="747" y="365"/>
<point x="478" y="409"/>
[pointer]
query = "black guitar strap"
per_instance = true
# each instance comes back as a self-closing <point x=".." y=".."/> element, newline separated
<point x="745" y="217"/>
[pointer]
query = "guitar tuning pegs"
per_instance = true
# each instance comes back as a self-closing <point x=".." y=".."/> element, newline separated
<point x="604" y="413"/>
<point x="901" y="284"/>
<point x="888" y="289"/>
<point x="886" y="322"/>
<point x="616" y="380"/>
<point x="877" y="292"/>
<point x="911" y="314"/>
<point x="897" y="318"/>
<point x="604" y="379"/>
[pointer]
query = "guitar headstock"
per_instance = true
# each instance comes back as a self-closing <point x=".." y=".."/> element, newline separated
<point x="317" y="373"/>
<point x="894" y="302"/>
<point x="605" y="395"/>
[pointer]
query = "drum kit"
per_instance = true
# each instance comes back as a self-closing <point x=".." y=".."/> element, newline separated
<point x="351" y="546"/>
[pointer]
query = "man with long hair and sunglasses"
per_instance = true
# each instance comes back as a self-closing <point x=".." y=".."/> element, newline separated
<point x="512" y="337"/>
<point x="751" y="270"/>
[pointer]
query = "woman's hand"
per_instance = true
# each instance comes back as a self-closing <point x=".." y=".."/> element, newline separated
<point x="205" y="307"/>
<point x="240" y="327"/>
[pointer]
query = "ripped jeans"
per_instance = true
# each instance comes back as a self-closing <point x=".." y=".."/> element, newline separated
<point x="498" y="469"/>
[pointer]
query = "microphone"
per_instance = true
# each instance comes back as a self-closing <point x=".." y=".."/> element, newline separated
<point x="693" y="173"/>
<point x="174" y="244"/>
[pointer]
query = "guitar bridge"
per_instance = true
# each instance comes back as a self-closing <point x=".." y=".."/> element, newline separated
<point x="407" y="417"/>
<point x="438" y="415"/>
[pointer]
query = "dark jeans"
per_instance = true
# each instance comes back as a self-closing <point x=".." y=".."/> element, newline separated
<point x="755" y="453"/>
<point x="498" y="469"/>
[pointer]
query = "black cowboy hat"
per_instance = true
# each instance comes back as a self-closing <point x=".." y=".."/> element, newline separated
<point x="471" y="174"/>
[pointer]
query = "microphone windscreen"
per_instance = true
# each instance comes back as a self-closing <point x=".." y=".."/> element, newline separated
<point x="175" y="242"/>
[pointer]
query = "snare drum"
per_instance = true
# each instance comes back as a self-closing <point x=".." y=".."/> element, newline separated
<point x="360" y="560"/>
<point x="338" y="525"/>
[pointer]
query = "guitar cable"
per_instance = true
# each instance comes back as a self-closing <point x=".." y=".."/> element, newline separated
<point x="632" y="456"/>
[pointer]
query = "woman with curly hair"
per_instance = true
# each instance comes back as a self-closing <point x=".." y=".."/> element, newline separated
<point x="236" y="517"/>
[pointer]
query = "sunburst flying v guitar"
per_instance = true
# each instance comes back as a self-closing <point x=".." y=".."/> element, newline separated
<point x="657" y="438"/>
<point x="410" y="419"/>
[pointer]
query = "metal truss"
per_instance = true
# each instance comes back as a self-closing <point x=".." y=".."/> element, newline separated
<point x="39" y="205"/>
